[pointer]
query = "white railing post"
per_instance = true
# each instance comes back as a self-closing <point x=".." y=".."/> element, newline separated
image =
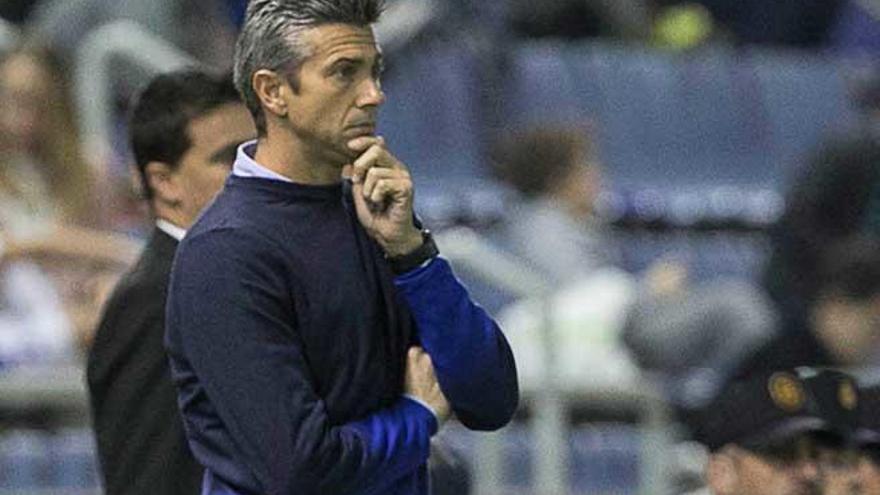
<point x="93" y="78"/>
<point x="469" y="251"/>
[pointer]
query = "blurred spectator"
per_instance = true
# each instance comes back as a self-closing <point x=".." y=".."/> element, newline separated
<point x="839" y="327"/>
<point x="868" y="440"/>
<point x="49" y="196"/>
<point x="553" y="226"/>
<point x="781" y="432"/>
<point x="836" y="196"/>
<point x="34" y="326"/>
<point x="603" y="312"/>
<point x="44" y="179"/>
<point x="63" y="24"/>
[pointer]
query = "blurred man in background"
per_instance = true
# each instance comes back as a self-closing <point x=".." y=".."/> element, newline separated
<point x="184" y="131"/>
<point x="836" y="196"/>
<point x="841" y="324"/>
<point x="781" y="433"/>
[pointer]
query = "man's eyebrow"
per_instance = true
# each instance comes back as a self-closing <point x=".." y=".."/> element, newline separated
<point x="346" y="60"/>
<point x="224" y="154"/>
<point x="379" y="61"/>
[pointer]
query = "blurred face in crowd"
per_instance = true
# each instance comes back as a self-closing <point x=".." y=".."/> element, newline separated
<point x="580" y="187"/>
<point x="869" y="473"/>
<point x="203" y="168"/>
<point x="24" y="93"/>
<point x="839" y="471"/>
<point x="801" y="466"/>
<point x="849" y="328"/>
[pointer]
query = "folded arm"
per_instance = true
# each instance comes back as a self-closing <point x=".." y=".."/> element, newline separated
<point x="471" y="356"/>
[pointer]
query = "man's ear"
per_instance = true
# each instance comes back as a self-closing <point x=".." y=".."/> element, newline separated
<point x="269" y="87"/>
<point x="162" y="183"/>
<point x="721" y="473"/>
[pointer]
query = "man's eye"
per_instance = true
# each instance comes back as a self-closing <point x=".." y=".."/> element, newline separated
<point x="345" y="72"/>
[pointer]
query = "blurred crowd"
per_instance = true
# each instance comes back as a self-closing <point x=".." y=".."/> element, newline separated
<point x="69" y="226"/>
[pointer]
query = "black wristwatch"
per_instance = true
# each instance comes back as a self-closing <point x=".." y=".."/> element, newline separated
<point x="417" y="257"/>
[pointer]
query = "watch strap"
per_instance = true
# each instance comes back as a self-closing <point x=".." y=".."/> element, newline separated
<point x="416" y="258"/>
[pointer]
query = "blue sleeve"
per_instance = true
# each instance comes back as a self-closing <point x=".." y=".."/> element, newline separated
<point x="229" y="316"/>
<point x="473" y="362"/>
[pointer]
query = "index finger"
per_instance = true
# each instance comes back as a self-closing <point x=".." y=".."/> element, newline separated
<point x="365" y="142"/>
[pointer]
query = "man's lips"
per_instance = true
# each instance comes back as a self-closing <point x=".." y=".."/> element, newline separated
<point x="362" y="129"/>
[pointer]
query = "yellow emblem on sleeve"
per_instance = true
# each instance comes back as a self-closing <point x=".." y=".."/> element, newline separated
<point x="786" y="392"/>
<point x="847" y="396"/>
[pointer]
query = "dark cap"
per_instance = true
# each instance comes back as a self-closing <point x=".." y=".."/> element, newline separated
<point x="868" y="434"/>
<point x="767" y="409"/>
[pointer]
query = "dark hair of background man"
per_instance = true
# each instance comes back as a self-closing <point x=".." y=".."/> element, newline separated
<point x="164" y="110"/>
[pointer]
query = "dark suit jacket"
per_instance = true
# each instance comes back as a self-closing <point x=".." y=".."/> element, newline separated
<point x="141" y="444"/>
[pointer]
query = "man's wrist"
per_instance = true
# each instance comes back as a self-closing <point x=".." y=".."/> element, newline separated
<point x="406" y="245"/>
<point x="414" y="258"/>
<point x="440" y="420"/>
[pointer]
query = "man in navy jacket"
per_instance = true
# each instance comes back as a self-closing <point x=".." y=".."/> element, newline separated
<point x="316" y="338"/>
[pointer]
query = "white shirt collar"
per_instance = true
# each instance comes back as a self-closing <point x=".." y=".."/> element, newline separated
<point x="170" y="229"/>
<point x="245" y="166"/>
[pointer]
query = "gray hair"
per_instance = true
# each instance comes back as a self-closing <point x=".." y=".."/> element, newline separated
<point x="271" y="38"/>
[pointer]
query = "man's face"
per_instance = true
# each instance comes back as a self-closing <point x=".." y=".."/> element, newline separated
<point x="761" y="475"/>
<point x="202" y="170"/>
<point x="839" y="471"/>
<point x="804" y="465"/>
<point x="24" y="92"/>
<point x="339" y="92"/>
<point x="849" y="328"/>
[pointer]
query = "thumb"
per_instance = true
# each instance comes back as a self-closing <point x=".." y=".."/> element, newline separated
<point x="347" y="171"/>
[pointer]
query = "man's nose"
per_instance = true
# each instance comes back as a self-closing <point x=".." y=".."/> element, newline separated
<point x="371" y="94"/>
<point x="808" y="470"/>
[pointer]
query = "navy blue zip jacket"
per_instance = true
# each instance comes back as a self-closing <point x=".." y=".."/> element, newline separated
<point x="287" y="335"/>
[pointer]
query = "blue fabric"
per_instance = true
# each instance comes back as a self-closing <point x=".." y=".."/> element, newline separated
<point x="471" y="357"/>
<point x="236" y="9"/>
<point x="855" y="32"/>
<point x="287" y="339"/>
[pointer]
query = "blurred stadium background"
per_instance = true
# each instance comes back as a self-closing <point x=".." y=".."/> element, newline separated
<point x="703" y="114"/>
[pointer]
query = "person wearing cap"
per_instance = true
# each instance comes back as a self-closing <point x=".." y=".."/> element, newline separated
<point x="868" y="440"/>
<point x="780" y="433"/>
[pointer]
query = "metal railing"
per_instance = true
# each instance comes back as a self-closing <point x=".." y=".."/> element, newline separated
<point x="550" y="401"/>
<point x="403" y="21"/>
<point x="93" y="78"/>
